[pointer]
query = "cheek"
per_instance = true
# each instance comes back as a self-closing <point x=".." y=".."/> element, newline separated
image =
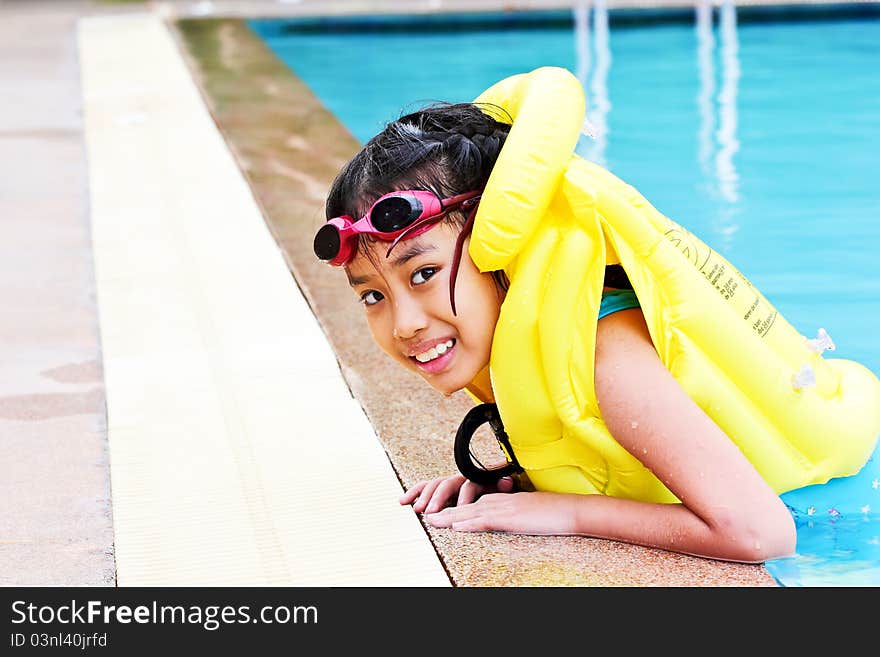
<point x="487" y="328"/>
<point x="484" y="309"/>
<point x="378" y="329"/>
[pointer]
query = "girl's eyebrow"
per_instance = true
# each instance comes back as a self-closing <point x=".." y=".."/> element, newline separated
<point x="412" y="251"/>
<point x="354" y="281"/>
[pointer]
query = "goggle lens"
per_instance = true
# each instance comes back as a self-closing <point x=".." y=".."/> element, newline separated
<point x="395" y="213"/>
<point x="327" y="242"/>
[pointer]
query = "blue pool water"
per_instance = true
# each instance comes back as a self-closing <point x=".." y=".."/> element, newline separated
<point x="760" y="136"/>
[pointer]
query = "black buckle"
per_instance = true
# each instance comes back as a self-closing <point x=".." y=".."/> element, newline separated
<point x="467" y="463"/>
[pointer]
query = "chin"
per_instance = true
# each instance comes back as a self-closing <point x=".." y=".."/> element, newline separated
<point x="446" y="387"/>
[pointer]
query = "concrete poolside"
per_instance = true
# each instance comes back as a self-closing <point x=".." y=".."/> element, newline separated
<point x="158" y="179"/>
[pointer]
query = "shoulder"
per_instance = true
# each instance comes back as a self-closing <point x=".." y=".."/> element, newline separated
<point x="624" y="350"/>
<point x="639" y="399"/>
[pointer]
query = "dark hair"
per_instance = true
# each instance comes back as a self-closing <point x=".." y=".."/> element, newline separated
<point x="445" y="148"/>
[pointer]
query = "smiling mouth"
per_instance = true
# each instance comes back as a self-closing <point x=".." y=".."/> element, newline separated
<point x="434" y="352"/>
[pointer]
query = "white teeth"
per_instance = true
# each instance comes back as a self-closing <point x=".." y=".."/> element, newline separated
<point x="434" y="352"/>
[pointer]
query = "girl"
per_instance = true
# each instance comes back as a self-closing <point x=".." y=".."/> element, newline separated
<point x="402" y="217"/>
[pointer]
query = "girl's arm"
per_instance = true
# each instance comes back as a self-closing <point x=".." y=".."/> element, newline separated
<point x="727" y="510"/>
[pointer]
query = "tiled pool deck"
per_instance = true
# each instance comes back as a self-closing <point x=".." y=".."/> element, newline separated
<point x="151" y="321"/>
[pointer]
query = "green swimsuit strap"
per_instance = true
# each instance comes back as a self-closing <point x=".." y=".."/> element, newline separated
<point x="615" y="300"/>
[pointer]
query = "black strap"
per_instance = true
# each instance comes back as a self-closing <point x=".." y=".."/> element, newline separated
<point x="475" y="418"/>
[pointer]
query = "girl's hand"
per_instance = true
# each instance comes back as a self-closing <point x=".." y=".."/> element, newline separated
<point x="435" y="494"/>
<point x="522" y="513"/>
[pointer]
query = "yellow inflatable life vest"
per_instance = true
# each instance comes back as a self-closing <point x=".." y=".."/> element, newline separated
<point x="552" y="221"/>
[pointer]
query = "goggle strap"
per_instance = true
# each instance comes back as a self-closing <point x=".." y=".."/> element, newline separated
<point x="416" y="225"/>
<point x="456" y="261"/>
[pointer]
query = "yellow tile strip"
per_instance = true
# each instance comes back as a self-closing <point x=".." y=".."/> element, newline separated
<point x="238" y="456"/>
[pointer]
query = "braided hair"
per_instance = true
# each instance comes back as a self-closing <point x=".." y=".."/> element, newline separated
<point x="444" y="148"/>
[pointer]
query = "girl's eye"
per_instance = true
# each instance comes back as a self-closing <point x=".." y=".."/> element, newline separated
<point x="371" y="297"/>
<point x="422" y="275"/>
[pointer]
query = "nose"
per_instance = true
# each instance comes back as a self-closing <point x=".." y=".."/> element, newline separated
<point x="409" y="318"/>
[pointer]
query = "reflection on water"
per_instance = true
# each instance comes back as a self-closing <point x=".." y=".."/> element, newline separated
<point x="599" y="83"/>
<point x="582" y="42"/>
<point x="728" y="144"/>
<point x="595" y="80"/>
<point x="706" y="68"/>
<point x="726" y="179"/>
<point x="725" y="170"/>
<point x="717" y="105"/>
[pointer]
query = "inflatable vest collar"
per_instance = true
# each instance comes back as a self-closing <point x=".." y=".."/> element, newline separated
<point x="552" y="221"/>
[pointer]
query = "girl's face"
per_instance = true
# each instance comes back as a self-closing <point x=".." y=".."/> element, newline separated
<point x="406" y="298"/>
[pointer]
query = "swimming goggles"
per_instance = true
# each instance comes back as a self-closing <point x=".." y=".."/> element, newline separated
<point x="393" y="217"/>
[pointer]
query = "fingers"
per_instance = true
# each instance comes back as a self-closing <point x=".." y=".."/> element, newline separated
<point x="444" y="518"/>
<point x="467" y="518"/>
<point x="445" y="491"/>
<point x="469" y="492"/>
<point x="426" y="495"/>
<point x="412" y="493"/>
<point x="432" y="495"/>
<point x="506" y="485"/>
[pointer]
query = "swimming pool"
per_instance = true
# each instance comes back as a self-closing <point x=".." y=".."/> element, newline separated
<point x="760" y="133"/>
